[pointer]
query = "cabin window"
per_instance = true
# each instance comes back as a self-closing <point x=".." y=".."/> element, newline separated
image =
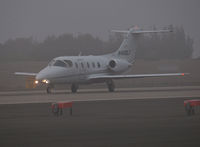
<point x="69" y="63"/>
<point x="98" y="65"/>
<point x="82" y="65"/>
<point x="93" y="65"/>
<point x="76" y="65"/>
<point x="59" y="63"/>
<point x="88" y="65"/>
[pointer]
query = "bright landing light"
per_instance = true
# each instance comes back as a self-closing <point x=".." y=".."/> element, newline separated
<point x="45" y="81"/>
<point x="36" y="81"/>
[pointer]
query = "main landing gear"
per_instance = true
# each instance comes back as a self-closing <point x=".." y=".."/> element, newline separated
<point x="111" y="86"/>
<point x="74" y="88"/>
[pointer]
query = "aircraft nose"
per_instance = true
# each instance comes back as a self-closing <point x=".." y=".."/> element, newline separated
<point x="39" y="76"/>
<point x="42" y="74"/>
<point x="49" y="73"/>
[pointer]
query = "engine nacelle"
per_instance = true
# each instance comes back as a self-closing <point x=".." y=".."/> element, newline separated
<point x="117" y="65"/>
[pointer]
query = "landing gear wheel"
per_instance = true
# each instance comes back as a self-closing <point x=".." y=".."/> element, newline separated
<point x="49" y="90"/>
<point x="111" y="86"/>
<point x="74" y="88"/>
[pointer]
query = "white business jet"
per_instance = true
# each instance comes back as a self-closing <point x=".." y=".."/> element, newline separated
<point x="76" y="70"/>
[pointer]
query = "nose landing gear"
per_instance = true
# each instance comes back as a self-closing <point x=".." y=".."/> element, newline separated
<point x="49" y="88"/>
<point x="74" y="88"/>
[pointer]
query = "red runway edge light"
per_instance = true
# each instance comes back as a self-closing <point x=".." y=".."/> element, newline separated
<point x="190" y="105"/>
<point x="57" y="108"/>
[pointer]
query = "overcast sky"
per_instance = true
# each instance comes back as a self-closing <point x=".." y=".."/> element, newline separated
<point x="40" y="18"/>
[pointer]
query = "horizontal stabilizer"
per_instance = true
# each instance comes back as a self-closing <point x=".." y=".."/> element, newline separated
<point x="151" y="31"/>
<point x="119" y="31"/>
<point x="132" y="31"/>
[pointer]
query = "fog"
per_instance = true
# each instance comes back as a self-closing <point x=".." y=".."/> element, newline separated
<point x="40" y="18"/>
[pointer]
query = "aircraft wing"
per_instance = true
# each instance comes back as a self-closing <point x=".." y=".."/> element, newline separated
<point x="25" y="74"/>
<point x="105" y="77"/>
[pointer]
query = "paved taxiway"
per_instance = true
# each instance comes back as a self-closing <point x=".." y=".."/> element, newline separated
<point x="143" y="117"/>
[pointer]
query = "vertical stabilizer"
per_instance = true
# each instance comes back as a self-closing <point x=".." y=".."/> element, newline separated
<point x="127" y="50"/>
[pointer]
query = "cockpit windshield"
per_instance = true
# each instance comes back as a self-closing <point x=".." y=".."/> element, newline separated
<point x="65" y="63"/>
<point x="57" y="63"/>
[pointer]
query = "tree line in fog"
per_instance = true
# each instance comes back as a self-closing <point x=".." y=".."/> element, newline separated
<point x="175" y="45"/>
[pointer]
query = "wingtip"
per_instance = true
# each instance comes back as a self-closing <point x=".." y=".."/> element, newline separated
<point x="183" y="74"/>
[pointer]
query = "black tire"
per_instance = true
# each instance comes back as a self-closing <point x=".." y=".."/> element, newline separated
<point x="111" y="86"/>
<point x="74" y="88"/>
<point x="48" y="90"/>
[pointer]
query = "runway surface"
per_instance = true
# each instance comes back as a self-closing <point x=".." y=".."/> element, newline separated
<point x="18" y="97"/>
<point x="142" y="117"/>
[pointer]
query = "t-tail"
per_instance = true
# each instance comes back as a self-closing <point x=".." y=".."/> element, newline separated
<point x="127" y="49"/>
